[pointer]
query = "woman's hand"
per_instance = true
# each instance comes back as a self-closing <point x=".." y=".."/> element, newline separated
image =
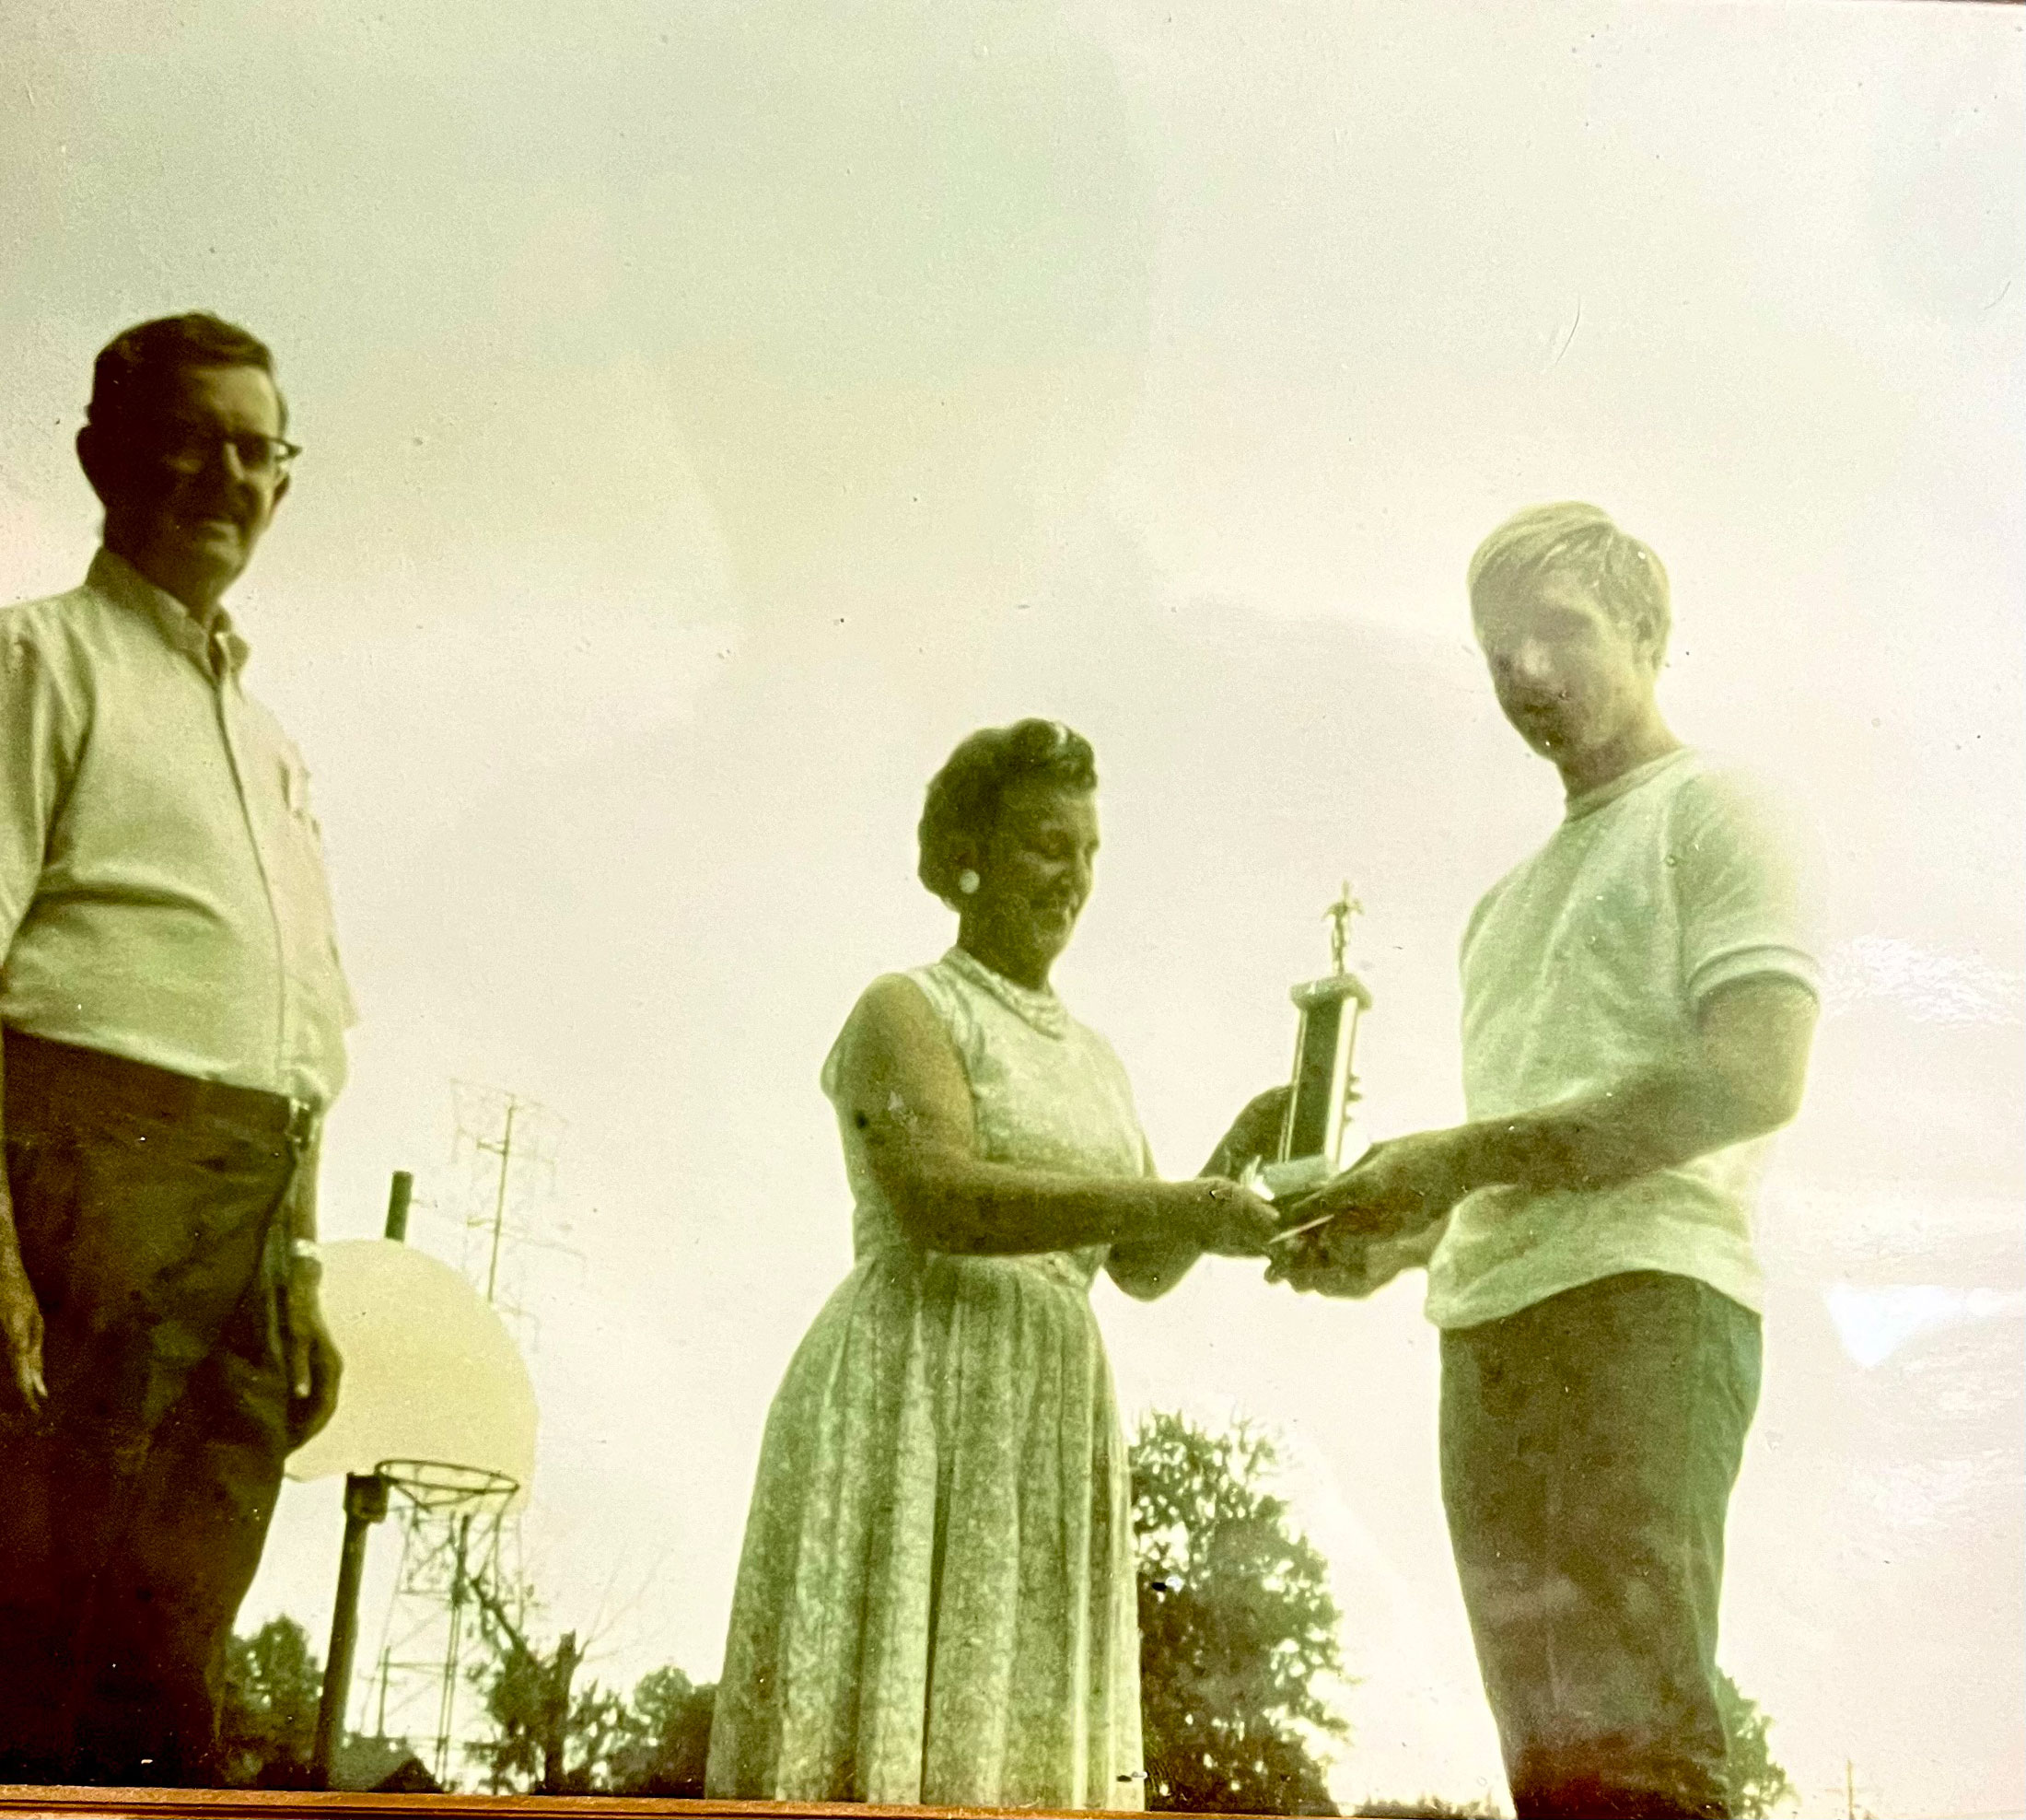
<point x="1220" y="1217"/>
<point x="1254" y="1133"/>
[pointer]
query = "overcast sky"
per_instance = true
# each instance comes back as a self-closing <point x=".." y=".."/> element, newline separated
<point x="715" y="412"/>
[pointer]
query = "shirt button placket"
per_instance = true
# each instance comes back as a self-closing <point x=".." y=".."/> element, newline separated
<point x="225" y="688"/>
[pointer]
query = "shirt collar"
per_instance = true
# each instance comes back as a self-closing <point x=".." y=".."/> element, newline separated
<point x="219" y="653"/>
<point x="1624" y="783"/>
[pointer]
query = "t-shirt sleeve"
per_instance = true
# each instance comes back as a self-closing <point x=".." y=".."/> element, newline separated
<point x="1748" y="879"/>
<point x="36" y="757"/>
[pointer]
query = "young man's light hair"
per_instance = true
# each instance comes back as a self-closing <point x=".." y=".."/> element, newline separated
<point x="1620" y="574"/>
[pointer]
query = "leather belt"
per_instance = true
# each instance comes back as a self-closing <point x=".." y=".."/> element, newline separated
<point x="35" y="1063"/>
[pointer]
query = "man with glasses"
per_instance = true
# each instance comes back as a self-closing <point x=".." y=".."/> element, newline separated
<point x="174" y="1017"/>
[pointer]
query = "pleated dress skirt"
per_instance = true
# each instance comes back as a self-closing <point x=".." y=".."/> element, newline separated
<point x="935" y="1599"/>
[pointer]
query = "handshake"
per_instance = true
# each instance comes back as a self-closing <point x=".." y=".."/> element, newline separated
<point x="1363" y="1227"/>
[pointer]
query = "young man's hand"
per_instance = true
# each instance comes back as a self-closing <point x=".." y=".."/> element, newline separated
<point x="1338" y="1260"/>
<point x="1396" y="1190"/>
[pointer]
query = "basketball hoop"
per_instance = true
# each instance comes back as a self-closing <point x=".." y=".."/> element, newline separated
<point x="436" y="1409"/>
<point x="437" y="1485"/>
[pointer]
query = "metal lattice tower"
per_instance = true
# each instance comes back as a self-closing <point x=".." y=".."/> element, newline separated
<point x="504" y="1163"/>
<point x="456" y="1533"/>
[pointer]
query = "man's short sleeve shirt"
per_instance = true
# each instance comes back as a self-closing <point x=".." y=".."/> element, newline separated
<point x="162" y="887"/>
<point x="1588" y="964"/>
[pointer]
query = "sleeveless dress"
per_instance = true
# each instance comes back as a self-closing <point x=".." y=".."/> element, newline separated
<point x="935" y="1598"/>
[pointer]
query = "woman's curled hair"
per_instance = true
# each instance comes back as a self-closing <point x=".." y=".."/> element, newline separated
<point x="963" y="806"/>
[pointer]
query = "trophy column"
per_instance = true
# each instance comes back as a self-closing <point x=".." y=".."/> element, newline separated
<point x="1324" y="1082"/>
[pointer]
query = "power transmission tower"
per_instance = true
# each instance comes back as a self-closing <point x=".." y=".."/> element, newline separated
<point x="506" y="1152"/>
<point x="453" y="1537"/>
<point x="458" y="1541"/>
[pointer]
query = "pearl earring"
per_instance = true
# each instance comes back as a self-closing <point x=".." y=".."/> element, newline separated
<point x="967" y="881"/>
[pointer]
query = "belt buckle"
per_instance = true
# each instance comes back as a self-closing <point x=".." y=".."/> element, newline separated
<point x="302" y="1121"/>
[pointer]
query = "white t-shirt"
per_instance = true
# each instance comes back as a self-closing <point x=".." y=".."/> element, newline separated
<point x="1588" y="964"/>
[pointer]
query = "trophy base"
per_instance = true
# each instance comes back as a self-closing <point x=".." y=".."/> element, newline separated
<point x="1297" y="1176"/>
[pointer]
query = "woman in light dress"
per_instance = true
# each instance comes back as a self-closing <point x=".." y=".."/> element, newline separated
<point x="935" y="1600"/>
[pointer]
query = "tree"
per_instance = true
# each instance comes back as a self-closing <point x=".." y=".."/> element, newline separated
<point x="1758" y="1785"/>
<point x="548" y="1737"/>
<point x="1236" y="1625"/>
<point x="267" y="1718"/>
<point x="552" y="1737"/>
<point x="670" y="1723"/>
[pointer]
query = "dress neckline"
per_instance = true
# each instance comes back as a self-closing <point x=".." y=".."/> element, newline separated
<point x="1042" y="1010"/>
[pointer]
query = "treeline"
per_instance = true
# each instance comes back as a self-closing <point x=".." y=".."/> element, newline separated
<point x="1239" y="1664"/>
<point x="650" y="1743"/>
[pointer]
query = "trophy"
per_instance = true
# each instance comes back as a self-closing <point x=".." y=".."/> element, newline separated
<point x="1324" y="1088"/>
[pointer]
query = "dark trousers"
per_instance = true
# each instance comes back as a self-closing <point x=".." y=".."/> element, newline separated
<point x="1589" y="1445"/>
<point x="133" y="1512"/>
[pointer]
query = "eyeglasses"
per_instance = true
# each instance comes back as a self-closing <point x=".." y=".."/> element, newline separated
<point x="258" y="457"/>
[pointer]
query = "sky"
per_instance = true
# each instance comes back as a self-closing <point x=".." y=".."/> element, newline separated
<point x="715" y="412"/>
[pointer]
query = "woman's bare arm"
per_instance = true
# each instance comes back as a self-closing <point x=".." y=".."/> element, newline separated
<point x="903" y="1088"/>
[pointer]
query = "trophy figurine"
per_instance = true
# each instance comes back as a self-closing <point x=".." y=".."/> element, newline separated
<point x="1324" y="1088"/>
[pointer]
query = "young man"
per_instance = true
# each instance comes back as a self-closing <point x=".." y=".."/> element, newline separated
<point x="1639" y="1000"/>
<point x="174" y="1020"/>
